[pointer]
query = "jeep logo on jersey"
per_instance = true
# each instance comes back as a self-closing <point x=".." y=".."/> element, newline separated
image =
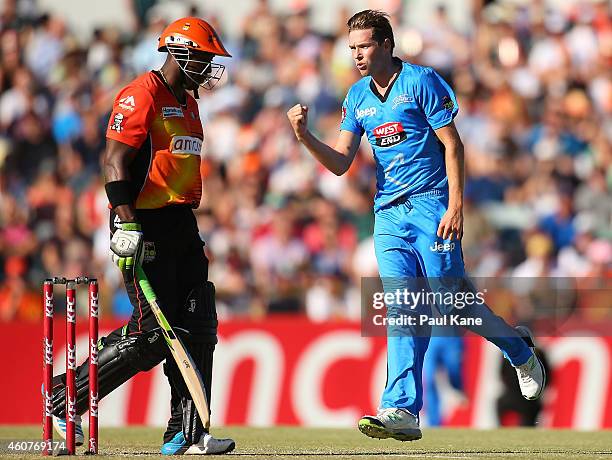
<point x="369" y="112"/>
<point x="389" y="134"/>
<point x="186" y="144"/>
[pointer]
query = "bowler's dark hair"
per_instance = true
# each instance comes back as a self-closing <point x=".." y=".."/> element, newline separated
<point x="376" y="20"/>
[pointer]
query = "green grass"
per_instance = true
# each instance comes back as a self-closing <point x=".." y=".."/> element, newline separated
<point x="289" y="442"/>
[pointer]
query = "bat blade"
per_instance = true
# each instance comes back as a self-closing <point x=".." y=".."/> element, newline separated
<point x="184" y="361"/>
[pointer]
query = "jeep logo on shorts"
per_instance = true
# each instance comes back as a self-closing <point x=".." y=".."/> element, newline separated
<point x="389" y="134"/>
<point x="442" y="247"/>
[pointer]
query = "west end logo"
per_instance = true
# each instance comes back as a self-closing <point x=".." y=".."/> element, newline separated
<point x="389" y="134"/>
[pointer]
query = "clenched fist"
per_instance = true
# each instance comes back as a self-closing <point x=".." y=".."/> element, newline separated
<point x="298" y="117"/>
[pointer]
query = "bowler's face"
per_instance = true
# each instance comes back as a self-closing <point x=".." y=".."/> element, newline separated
<point x="366" y="52"/>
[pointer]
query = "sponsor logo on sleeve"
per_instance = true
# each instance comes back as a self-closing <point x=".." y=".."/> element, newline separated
<point x="389" y="134"/>
<point x="117" y="122"/>
<point x="448" y="104"/>
<point x="343" y="114"/>
<point x="169" y="112"/>
<point x="186" y="144"/>
<point x="127" y="103"/>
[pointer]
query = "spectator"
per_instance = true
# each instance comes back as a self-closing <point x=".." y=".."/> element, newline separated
<point x="535" y="93"/>
<point x="278" y="259"/>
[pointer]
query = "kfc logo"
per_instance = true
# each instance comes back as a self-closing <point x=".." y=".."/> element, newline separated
<point x="72" y="357"/>
<point x="48" y="403"/>
<point x="71" y="309"/>
<point x="93" y="403"/>
<point x="48" y="352"/>
<point x="49" y="305"/>
<point x="71" y="411"/>
<point x="93" y="304"/>
<point x="93" y="352"/>
<point x="117" y="122"/>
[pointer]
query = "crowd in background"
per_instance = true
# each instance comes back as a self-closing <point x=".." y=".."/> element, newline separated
<point x="534" y="87"/>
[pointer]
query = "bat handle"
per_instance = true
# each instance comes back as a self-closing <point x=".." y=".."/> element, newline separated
<point x="143" y="281"/>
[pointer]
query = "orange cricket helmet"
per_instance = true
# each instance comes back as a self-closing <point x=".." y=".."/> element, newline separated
<point x="194" y="33"/>
<point x="183" y="38"/>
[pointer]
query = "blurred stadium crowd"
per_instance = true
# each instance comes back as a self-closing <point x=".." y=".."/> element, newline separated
<point x="534" y="86"/>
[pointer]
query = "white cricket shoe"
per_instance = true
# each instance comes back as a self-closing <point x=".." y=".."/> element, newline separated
<point x="60" y="426"/>
<point x="209" y="445"/>
<point x="391" y="423"/>
<point x="531" y="375"/>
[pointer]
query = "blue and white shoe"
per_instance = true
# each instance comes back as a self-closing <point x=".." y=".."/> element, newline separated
<point x="207" y="445"/>
<point x="60" y="426"/>
<point x="173" y="446"/>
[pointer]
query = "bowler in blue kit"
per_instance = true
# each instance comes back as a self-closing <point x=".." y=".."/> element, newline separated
<point x="406" y="111"/>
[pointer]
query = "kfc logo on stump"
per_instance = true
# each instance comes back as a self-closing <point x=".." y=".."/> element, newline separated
<point x="389" y="134"/>
<point x="93" y="406"/>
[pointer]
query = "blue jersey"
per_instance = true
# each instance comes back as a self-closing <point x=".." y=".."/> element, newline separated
<point x="400" y="128"/>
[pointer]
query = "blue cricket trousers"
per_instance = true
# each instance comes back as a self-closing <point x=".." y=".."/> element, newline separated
<point x="409" y="253"/>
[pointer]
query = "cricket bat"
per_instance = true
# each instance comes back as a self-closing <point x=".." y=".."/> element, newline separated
<point x="183" y="359"/>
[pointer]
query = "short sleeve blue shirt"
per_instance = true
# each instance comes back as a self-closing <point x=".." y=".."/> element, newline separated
<point x="400" y="128"/>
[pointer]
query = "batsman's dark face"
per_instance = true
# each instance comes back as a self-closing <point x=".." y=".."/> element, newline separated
<point x="199" y="68"/>
<point x="366" y="51"/>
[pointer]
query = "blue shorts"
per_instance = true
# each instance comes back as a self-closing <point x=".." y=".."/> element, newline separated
<point x="406" y="241"/>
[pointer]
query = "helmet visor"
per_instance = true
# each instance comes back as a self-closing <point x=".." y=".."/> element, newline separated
<point x="197" y="65"/>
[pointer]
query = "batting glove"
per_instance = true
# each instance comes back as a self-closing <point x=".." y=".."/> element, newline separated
<point x="126" y="246"/>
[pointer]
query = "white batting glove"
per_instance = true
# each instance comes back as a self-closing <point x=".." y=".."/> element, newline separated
<point x="126" y="246"/>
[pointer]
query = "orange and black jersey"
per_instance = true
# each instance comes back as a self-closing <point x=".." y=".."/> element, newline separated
<point x="168" y="136"/>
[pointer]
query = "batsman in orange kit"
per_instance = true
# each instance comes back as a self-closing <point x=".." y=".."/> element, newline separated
<point x="152" y="180"/>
